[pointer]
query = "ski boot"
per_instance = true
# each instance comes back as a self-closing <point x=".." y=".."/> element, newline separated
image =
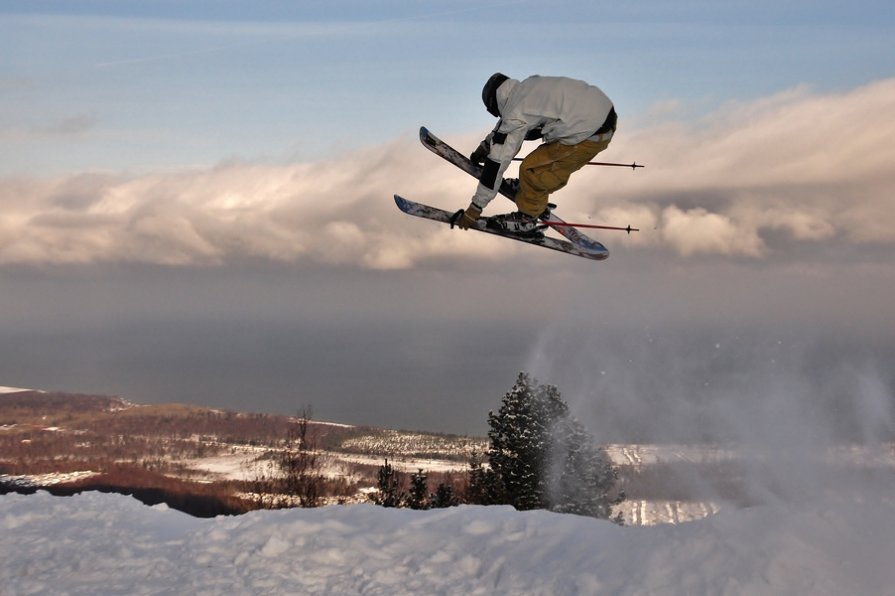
<point x="512" y="185"/>
<point x="517" y="223"/>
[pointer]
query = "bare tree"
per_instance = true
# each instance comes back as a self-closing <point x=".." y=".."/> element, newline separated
<point x="299" y="463"/>
<point x="290" y="476"/>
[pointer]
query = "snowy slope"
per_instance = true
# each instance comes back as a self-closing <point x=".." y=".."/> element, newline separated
<point x="112" y="544"/>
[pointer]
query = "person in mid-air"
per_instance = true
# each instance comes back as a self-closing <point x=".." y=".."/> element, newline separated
<point x="576" y="121"/>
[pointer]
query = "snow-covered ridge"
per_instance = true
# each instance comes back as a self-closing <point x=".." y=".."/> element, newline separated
<point x="98" y="543"/>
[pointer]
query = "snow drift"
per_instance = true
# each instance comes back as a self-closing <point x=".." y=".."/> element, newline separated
<point x="110" y="544"/>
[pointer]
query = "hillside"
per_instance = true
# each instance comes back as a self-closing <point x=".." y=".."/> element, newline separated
<point x="207" y="462"/>
<point x="211" y="458"/>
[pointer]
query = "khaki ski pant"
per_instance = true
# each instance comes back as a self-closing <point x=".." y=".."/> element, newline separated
<point x="548" y="168"/>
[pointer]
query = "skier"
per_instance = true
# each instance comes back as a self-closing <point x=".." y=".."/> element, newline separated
<point x="576" y="121"/>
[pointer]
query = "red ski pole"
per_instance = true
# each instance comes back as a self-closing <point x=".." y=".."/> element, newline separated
<point x="602" y="163"/>
<point x="558" y="224"/>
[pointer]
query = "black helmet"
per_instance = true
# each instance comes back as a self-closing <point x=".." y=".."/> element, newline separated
<point x="489" y="93"/>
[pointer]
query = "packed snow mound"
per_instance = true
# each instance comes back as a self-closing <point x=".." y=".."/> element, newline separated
<point x="111" y="544"/>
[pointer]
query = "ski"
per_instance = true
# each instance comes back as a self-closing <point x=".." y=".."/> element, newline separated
<point x="439" y="147"/>
<point x="590" y="250"/>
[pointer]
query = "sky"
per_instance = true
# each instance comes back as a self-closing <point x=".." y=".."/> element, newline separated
<point x="196" y="206"/>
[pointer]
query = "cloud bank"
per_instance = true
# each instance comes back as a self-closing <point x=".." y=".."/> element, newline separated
<point x="793" y="171"/>
<point x="808" y="168"/>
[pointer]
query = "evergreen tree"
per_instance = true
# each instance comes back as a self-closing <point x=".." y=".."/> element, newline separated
<point x="541" y="458"/>
<point x="389" y="494"/>
<point x="418" y="497"/>
<point x="520" y="439"/>
<point x="444" y="497"/>
<point x="481" y="485"/>
<point x="581" y="475"/>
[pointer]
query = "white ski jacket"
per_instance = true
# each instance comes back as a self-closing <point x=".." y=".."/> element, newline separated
<point x="566" y="110"/>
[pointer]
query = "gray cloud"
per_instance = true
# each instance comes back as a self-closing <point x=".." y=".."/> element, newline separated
<point x="72" y="126"/>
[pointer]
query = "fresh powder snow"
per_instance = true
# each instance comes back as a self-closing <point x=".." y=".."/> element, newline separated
<point x="97" y="543"/>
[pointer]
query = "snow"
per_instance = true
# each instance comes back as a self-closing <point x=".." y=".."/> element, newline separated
<point x="243" y="465"/>
<point x="649" y="513"/>
<point x="405" y="464"/>
<point x="111" y="544"/>
<point x="13" y="390"/>
<point x="33" y="480"/>
<point x="229" y="466"/>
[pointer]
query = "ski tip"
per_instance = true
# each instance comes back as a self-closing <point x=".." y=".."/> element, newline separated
<point x="426" y="137"/>
<point x="401" y="202"/>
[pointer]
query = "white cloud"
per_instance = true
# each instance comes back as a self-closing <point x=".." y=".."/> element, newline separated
<point x="339" y="211"/>
<point x="815" y="167"/>
<point x="809" y="168"/>
<point x="697" y="231"/>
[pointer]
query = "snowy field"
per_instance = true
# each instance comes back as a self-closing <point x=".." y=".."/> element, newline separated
<point x="636" y="512"/>
<point x="238" y="465"/>
<point x="111" y="544"/>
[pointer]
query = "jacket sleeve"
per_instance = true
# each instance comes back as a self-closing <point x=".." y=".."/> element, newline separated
<point x="505" y="144"/>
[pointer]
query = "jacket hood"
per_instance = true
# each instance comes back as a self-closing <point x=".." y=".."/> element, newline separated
<point x="489" y="93"/>
<point x="503" y="95"/>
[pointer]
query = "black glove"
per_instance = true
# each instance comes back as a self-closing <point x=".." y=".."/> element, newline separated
<point x="478" y="156"/>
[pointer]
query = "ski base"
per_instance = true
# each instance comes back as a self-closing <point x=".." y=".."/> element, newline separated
<point x="591" y="250"/>
<point x="442" y="149"/>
